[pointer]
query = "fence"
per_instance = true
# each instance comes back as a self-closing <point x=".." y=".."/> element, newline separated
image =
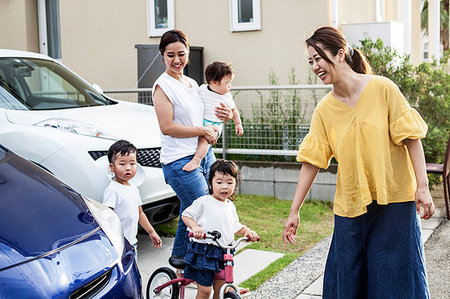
<point x="275" y="118"/>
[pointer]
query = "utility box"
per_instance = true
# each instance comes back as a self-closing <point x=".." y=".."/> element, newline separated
<point x="392" y="33"/>
<point x="151" y="65"/>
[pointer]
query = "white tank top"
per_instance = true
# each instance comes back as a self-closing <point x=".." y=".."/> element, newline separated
<point x="187" y="110"/>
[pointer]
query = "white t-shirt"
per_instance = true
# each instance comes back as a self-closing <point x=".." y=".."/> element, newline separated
<point x="212" y="214"/>
<point x="187" y="110"/>
<point x="211" y="100"/>
<point x="125" y="200"/>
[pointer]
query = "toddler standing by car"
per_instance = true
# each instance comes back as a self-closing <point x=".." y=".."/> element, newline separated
<point x="219" y="76"/>
<point x="124" y="198"/>
<point x="213" y="212"/>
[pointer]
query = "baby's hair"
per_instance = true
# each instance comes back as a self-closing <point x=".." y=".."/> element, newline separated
<point x="123" y="147"/>
<point x="217" y="70"/>
<point x="224" y="167"/>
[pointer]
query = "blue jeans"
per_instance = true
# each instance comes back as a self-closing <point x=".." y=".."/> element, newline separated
<point x="188" y="186"/>
<point x="377" y="255"/>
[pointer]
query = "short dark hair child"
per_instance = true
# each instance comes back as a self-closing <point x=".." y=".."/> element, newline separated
<point x="123" y="147"/>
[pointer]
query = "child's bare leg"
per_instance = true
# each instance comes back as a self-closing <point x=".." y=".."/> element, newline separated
<point x="202" y="149"/>
<point x="203" y="292"/>
<point x="217" y="284"/>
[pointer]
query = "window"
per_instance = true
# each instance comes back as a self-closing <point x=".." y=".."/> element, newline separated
<point x="40" y="84"/>
<point x="161" y="16"/>
<point x="245" y="15"/>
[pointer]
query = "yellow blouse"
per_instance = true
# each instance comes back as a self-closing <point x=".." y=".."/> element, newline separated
<point x="367" y="142"/>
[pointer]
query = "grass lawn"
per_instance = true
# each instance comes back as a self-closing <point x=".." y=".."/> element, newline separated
<point x="266" y="216"/>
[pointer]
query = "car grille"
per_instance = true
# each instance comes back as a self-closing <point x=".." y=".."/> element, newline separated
<point x="148" y="157"/>
<point x="91" y="289"/>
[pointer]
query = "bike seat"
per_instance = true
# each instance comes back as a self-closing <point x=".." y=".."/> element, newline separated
<point x="177" y="262"/>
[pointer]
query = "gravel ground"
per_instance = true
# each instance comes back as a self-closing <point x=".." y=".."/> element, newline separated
<point x="437" y="253"/>
<point x="297" y="276"/>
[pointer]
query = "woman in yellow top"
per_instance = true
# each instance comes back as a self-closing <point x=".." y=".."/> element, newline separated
<point x="369" y="127"/>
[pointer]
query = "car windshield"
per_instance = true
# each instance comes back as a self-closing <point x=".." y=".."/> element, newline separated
<point x="38" y="84"/>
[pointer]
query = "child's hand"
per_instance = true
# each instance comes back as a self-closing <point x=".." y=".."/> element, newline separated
<point x="197" y="232"/>
<point x="155" y="239"/>
<point x="252" y="235"/>
<point x="239" y="129"/>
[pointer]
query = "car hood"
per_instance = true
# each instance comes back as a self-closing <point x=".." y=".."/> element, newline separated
<point x="38" y="213"/>
<point x="134" y="122"/>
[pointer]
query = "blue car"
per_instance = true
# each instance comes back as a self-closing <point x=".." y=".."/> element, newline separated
<point x="56" y="244"/>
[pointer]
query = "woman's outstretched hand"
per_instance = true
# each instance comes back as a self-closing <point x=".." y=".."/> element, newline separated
<point x="224" y="113"/>
<point x="290" y="228"/>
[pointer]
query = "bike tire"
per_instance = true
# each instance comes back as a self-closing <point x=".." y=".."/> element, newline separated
<point x="231" y="295"/>
<point x="159" y="277"/>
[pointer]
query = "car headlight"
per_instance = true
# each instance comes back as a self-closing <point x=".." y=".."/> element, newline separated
<point x="76" y="127"/>
<point x="110" y="224"/>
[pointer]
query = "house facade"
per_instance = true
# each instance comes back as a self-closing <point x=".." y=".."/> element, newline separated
<point x="100" y="39"/>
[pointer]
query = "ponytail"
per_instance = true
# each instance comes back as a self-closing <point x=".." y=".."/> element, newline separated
<point x="359" y="63"/>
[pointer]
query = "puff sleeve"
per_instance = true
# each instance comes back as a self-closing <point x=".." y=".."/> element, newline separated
<point x="404" y="121"/>
<point x="315" y="148"/>
<point x="195" y="210"/>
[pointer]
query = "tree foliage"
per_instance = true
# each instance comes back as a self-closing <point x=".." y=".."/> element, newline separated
<point x="444" y="5"/>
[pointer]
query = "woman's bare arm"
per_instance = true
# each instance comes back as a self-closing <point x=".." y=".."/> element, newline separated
<point x="423" y="196"/>
<point x="308" y="173"/>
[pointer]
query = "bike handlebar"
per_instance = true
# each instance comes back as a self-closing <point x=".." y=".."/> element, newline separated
<point x="214" y="238"/>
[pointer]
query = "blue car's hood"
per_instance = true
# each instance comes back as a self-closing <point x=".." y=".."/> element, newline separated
<point x="38" y="213"/>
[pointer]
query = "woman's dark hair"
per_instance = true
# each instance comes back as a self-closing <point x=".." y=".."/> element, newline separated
<point x="217" y="70"/>
<point x="123" y="147"/>
<point x="333" y="40"/>
<point x="224" y="167"/>
<point x="172" y="36"/>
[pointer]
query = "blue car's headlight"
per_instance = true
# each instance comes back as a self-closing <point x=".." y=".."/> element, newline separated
<point x="110" y="223"/>
<point x="76" y="127"/>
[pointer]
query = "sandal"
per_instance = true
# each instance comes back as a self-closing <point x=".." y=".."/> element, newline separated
<point x="243" y="291"/>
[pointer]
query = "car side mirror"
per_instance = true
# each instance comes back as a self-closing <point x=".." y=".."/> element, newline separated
<point x="97" y="88"/>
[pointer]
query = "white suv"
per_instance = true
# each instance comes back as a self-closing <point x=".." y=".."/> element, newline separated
<point x="57" y="120"/>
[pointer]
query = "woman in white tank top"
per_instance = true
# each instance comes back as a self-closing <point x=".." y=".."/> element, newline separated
<point x="179" y="109"/>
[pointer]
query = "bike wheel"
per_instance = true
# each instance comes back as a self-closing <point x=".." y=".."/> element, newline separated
<point x="160" y="277"/>
<point x="231" y="295"/>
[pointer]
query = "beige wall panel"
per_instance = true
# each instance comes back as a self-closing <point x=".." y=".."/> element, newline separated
<point x="98" y="39"/>
<point x="18" y="23"/>
<point x="110" y="59"/>
<point x="278" y="46"/>
<point x="416" y="43"/>
<point x="356" y="11"/>
<point x="391" y="10"/>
